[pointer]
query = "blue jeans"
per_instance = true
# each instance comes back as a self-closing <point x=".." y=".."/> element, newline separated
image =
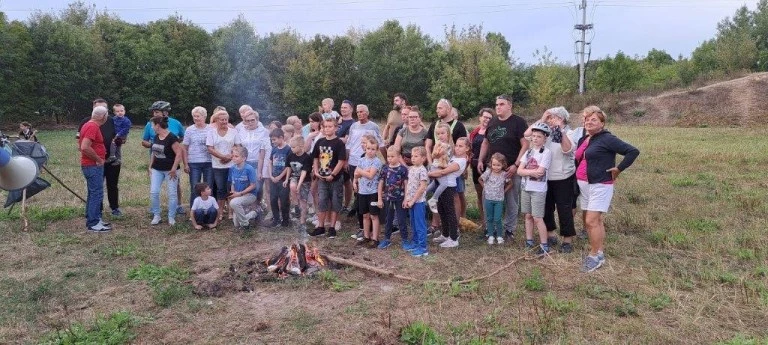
<point x="493" y="213"/>
<point x="205" y="217"/>
<point x="279" y="198"/>
<point x="393" y="209"/>
<point x="156" y="181"/>
<point x="199" y="172"/>
<point x="94" y="181"/>
<point x="259" y="182"/>
<point x="220" y="184"/>
<point x="418" y="213"/>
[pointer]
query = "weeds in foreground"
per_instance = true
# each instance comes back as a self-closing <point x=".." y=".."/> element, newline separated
<point x="534" y="282"/>
<point x="167" y="283"/>
<point x="113" y="330"/>
<point x="420" y="333"/>
<point x="332" y="281"/>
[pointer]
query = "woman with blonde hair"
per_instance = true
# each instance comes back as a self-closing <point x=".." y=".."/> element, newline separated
<point x="596" y="173"/>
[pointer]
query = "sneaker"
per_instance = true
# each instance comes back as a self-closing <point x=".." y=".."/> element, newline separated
<point x="542" y="251"/>
<point x="372" y="244"/>
<point x="337" y="226"/>
<point x="553" y="241"/>
<point x="566" y="248"/>
<point x="317" y="232"/>
<point x="286" y="224"/>
<point x="591" y="263"/>
<point x="180" y="210"/>
<point x="102" y="222"/>
<point x="529" y="244"/>
<point x="418" y="252"/>
<point x="313" y="219"/>
<point x="408" y="245"/>
<point x="384" y="244"/>
<point x="171" y="221"/>
<point x="155" y="220"/>
<point x="499" y="240"/>
<point x="432" y="231"/>
<point x="440" y="239"/>
<point x="432" y="205"/>
<point x="490" y="239"/>
<point x="395" y="230"/>
<point x="358" y="235"/>
<point x="345" y="210"/>
<point x="449" y="243"/>
<point x="331" y="232"/>
<point x="362" y="241"/>
<point x="99" y="228"/>
<point x="117" y="213"/>
<point x="251" y="215"/>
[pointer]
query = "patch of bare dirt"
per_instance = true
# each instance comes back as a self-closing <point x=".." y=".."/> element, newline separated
<point x="738" y="102"/>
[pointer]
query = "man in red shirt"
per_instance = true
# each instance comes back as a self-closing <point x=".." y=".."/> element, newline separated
<point x="92" y="153"/>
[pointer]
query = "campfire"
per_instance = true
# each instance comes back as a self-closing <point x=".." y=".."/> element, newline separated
<point x="298" y="259"/>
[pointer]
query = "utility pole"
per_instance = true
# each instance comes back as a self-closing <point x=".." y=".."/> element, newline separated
<point x="581" y="44"/>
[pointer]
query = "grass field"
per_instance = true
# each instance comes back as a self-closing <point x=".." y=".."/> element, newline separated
<point x="686" y="249"/>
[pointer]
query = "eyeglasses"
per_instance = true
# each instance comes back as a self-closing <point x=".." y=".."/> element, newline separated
<point x="249" y="120"/>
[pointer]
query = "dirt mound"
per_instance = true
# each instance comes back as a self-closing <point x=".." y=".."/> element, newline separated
<point x="737" y="102"/>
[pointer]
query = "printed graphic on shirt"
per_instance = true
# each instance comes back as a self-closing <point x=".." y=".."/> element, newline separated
<point x="534" y="164"/>
<point x="158" y="150"/>
<point x="326" y="155"/>
<point x="496" y="134"/>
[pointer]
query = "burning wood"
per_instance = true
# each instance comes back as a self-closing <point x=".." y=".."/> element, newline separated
<point x="297" y="260"/>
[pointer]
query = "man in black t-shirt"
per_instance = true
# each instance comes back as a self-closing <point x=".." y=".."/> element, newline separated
<point x="505" y="135"/>
<point x="112" y="168"/>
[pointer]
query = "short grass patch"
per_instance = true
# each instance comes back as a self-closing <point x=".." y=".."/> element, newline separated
<point x="167" y="283"/>
<point x="115" y="329"/>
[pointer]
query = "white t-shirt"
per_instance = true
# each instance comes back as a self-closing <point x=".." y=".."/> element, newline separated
<point x="222" y="144"/>
<point x="534" y="159"/>
<point x="462" y="162"/>
<point x="200" y="204"/>
<point x="255" y="140"/>
<point x="355" y="139"/>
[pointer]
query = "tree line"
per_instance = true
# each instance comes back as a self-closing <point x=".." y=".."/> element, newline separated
<point x="53" y="64"/>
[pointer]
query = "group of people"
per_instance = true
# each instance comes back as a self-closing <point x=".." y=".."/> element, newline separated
<point x="539" y="170"/>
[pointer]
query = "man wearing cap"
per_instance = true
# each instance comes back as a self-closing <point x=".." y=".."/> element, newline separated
<point x="505" y="134"/>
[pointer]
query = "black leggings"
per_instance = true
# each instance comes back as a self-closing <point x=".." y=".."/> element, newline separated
<point x="446" y="208"/>
<point x="560" y="196"/>
<point x="112" y="175"/>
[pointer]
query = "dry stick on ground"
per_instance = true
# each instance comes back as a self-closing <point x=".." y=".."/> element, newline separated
<point x="392" y="274"/>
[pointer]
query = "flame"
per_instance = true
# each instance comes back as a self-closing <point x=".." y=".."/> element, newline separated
<point x="318" y="257"/>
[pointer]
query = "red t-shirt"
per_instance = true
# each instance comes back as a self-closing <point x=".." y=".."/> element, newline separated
<point x="92" y="131"/>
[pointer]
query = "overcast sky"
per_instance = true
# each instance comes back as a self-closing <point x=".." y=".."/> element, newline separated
<point x="632" y="26"/>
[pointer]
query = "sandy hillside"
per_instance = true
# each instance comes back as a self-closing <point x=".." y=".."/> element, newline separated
<point x="737" y="102"/>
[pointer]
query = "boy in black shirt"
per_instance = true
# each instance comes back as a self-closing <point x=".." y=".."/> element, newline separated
<point x="299" y="165"/>
<point x="330" y="156"/>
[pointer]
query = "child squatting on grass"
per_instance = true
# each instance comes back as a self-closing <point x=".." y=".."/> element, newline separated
<point x="366" y="183"/>
<point x="394" y="177"/>
<point x="415" y="202"/>
<point x="495" y="183"/>
<point x="242" y="178"/>
<point x="533" y="168"/>
<point x="299" y="165"/>
<point x="204" y="210"/>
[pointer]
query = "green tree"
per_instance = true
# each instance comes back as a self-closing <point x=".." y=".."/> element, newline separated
<point x="658" y="58"/>
<point x="17" y="82"/>
<point x="473" y="72"/>
<point x="618" y="74"/>
<point x="394" y="59"/>
<point x="551" y="80"/>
